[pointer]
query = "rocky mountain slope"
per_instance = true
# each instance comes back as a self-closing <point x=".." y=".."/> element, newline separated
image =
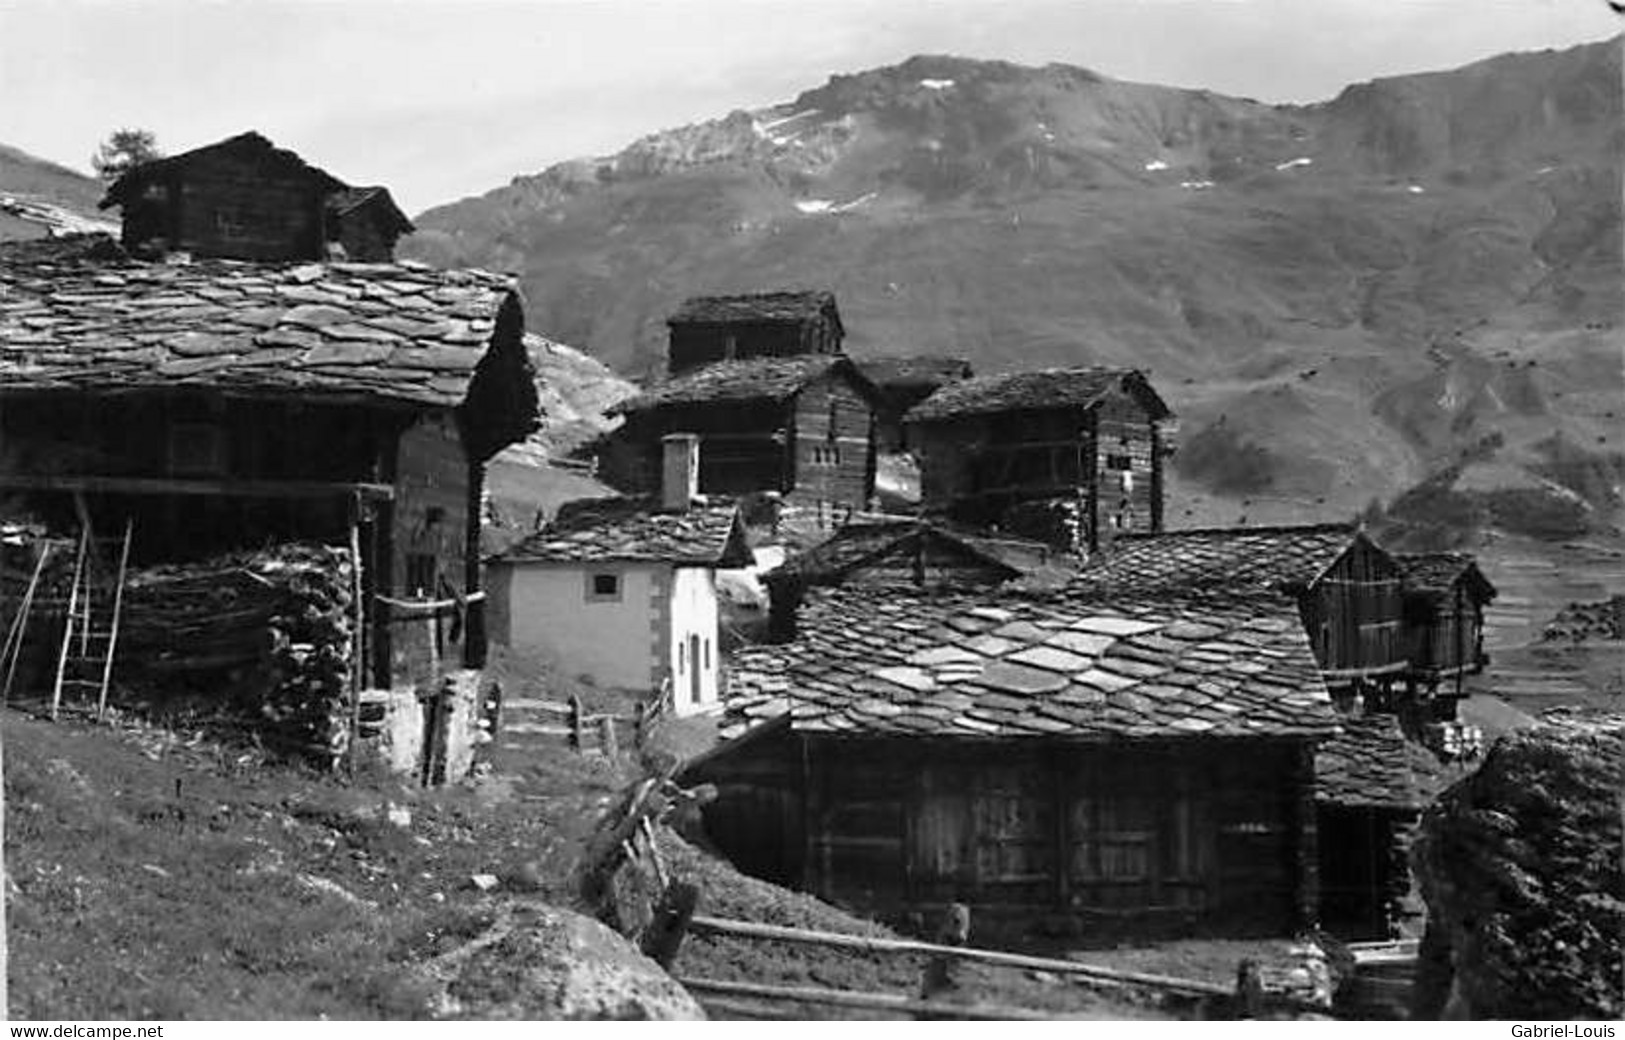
<point x="1340" y="299"/>
<point x="38" y="197"/>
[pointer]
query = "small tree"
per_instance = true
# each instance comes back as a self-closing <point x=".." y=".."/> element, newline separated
<point x="123" y="150"/>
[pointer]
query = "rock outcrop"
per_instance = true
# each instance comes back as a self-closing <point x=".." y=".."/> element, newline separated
<point x="1520" y="867"/>
<point x="550" y="963"/>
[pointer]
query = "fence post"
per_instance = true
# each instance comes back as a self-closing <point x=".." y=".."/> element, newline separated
<point x="640" y="722"/>
<point x="575" y="722"/>
<point x="607" y="742"/>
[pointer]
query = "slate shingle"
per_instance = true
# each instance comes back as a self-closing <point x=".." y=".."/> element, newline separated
<point x="854" y="647"/>
<point x="1372" y="764"/>
<point x="1233" y="558"/>
<point x="789" y="306"/>
<point x="633" y="530"/>
<point x="260" y="329"/>
<point x="1042" y="389"/>
<point x="763" y="379"/>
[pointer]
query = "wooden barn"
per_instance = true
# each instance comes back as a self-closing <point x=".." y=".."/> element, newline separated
<point x="800" y="426"/>
<point x="904" y="382"/>
<point x="907" y="552"/>
<point x="707" y="329"/>
<point x="1127" y="769"/>
<point x="1445" y="595"/>
<point x="994" y="450"/>
<point x="217" y="405"/>
<point x="1371" y="785"/>
<point x="246" y="199"/>
<point x="1346" y="588"/>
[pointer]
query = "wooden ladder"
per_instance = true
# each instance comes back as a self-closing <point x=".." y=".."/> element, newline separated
<point x="12" y="651"/>
<point x="90" y="665"/>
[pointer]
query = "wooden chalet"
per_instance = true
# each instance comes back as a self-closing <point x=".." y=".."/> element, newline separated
<point x="1371" y="784"/>
<point x="246" y="199"/>
<point x="1128" y="768"/>
<point x="799" y="426"/>
<point x="905" y="552"/>
<point x="904" y="382"/>
<point x="1346" y="588"/>
<point x="707" y="329"/>
<point x="1445" y="596"/>
<point x="1091" y="442"/>
<point x="220" y="405"/>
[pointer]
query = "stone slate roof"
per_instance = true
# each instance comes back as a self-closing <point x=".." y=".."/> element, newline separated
<point x="972" y="665"/>
<point x="789" y="306"/>
<point x="1435" y="574"/>
<point x="368" y="331"/>
<point x="633" y="530"/>
<point x="1230" y="557"/>
<point x="1371" y="764"/>
<point x="1048" y="388"/>
<point x="750" y="380"/>
<point x="863" y="542"/>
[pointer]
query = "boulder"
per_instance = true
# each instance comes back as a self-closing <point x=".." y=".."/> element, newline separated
<point x="555" y="964"/>
<point x="1519" y="866"/>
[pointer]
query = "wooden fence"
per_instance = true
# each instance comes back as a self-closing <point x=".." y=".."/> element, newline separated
<point x="1277" y="996"/>
<point x="527" y="724"/>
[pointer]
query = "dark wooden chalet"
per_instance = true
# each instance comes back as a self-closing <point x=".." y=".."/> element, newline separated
<point x="1445" y="596"/>
<point x="800" y="426"/>
<point x="906" y="552"/>
<point x="1131" y="768"/>
<point x="1089" y="440"/>
<point x="221" y="405"/>
<point x="1347" y="589"/>
<point x="708" y="329"/>
<point x="1371" y="785"/>
<point x="246" y="199"/>
<point x="904" y="382"/>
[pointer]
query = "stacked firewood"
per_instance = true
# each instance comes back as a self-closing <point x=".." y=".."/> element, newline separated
<point x="269" y="634"/>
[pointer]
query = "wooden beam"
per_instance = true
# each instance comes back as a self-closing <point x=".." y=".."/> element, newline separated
<point x="858" y="999"/>
<point x="194" y="486"/>
<point x="750" y="929"/>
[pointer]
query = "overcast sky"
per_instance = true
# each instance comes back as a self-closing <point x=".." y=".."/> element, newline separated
<point x="441" y="99"/>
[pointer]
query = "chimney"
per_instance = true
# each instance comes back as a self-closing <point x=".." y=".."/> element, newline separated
<point x="784" y="595"/>
<point x="679" y="471"/>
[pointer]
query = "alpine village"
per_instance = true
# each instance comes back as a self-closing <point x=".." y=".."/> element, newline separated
<point x="863" y="684"/>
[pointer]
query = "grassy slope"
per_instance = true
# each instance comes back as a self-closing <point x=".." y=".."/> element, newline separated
<point x="129" y="902"/>
<point x="31" y="176"/>
<point x="264" y="892"/>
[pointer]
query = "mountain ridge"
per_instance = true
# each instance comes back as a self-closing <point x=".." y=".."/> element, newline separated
<point x="1341" y="299"/>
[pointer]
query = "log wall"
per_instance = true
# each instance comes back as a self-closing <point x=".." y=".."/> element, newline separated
<point x="1354" y="617"/>
<point x="1129" y="466"/>
<point x="1198" y="837"/>
<point x="1109" y="457"/>
<point x="696" y="344"/>
<point x="832" y="449"/>
<point x="742" y="448"/>
<point x="196" y="435"/>
<point x="362" y="237"/>
<point x="223" y="205"/>
<point x="1444" y="636"/>
<point x="428" y="547"/>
